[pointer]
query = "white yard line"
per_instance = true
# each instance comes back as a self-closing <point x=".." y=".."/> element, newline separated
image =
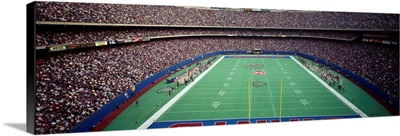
<point x="270" y="94"/>
<point x="251" y="91"/>
<point x="243" y="97"/>
<point x="260" y="118"/>
<point x="208" y="88"/>
<point x="344" y="100"/>
<point x="298" y="108"/>
<point x="270" y="76"/>
<point x="156" y="115"/>
<point x="238" y="83"/>
<point x="332" y="101"/>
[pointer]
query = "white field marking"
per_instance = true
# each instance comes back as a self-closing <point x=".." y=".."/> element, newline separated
<point x="215" y="104"/>
<point x="233" y="68"/>
<point x="242" y="92"/>
<point x="292" y="83"/>
<point x="198" y="104"/>
<point x="229" y="78"/>
<point x="226" y="84"/>
<point x="282" y="68"/>
<point x="221" y="93"/>
<point x="255" y="117"/>
<point x="298" y="92"/>
<point x="304" y="101"/>
<point x="232" y="73"/>
<point x="276" y="81"/>
<point x="288" y="77"/>
<point x="251" y="92"/>
<point x="156" y="115"/>
<point x="344" y="100"/>
<point x="311" y="96"/>
<point x="236" y="65"/>
<point x="303" y="83"/>
<point x="297" y="108"/>
<point x="270" y="94"/>
<point x="259" y="95"/>
<point x="270" y="77"/>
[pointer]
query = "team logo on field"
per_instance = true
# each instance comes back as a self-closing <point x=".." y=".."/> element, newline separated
<point x="164" y="89"/>
<point x="259" y="72"/>
<point x="258" y="83"/>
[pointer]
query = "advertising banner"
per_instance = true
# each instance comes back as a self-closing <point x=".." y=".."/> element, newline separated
<point x="101" y="43"/>
<point x="112" y="42"/>
<point x="57" y="48"/>
<point x="136" y="39"/>
<point x="81" y="45"/>
<point x="120" y="40"/>
<point x="127" y="40"/>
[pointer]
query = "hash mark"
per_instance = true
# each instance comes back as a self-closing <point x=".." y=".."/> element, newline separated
<point x="226" y="84"/>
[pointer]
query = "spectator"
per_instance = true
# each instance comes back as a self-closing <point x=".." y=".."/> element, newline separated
<point x="51" y="35"/>
<point x="172" y="15"/>
<point x="85" y="81"/>
<point x="73" y="85"/>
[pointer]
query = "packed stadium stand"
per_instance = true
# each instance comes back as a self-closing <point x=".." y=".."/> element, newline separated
<point x="72" y="85"/>
<point x="171" y="15"/>
<point x="52" y="35"/>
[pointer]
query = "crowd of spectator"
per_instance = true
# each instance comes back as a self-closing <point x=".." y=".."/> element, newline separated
<point x="73" y="85"/>
<point x="324" y="73"/>
<point x="172" y="15"/>
<point x="50" y="35"/>
<point x="197" y="69"/>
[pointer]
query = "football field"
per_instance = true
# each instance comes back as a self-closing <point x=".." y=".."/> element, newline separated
<point x="237" y="90"/>
<point x="223" y="93"/>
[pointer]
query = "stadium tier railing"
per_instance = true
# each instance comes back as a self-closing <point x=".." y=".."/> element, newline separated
<point x="63" y="47"/>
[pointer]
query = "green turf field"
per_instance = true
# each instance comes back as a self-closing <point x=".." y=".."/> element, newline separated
<point x="229" y="89"/>
<point x="361" y="99"/>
